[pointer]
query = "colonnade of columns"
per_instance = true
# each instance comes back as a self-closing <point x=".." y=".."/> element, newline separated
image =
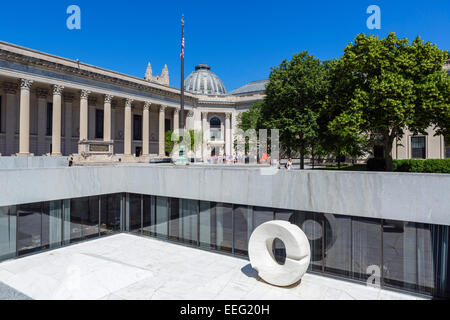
<point x="24" y="119"/>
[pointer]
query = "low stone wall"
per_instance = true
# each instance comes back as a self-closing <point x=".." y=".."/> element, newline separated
<point x="398" y="196"/>
<point x="32" y="162"/>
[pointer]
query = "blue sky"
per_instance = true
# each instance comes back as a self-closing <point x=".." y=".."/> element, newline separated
<point x="241" y="40"/>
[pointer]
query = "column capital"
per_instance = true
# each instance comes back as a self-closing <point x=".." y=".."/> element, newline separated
<point x="10" y="87"/>
<point x="228" y="115"/>
<point x="204" y="115"/>
<point x="176" y="111"/>
<point x="25" y="84"/>
<point x="68" y="97"/>
<point x="42" y="93"/>
<point x="85" y="94"/>
<point x="108" y="98"/>
<point x="128" y="103"/>
<point x="147" y="105"/>
<point x="57" y="90"/>
<point x="162" y="108"/>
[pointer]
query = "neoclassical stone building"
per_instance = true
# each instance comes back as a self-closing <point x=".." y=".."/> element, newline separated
<point x="57" y="106"/>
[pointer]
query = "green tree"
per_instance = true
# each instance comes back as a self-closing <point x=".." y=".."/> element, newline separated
<point x="250" y="119"/>
<point x="294" y="97"/>
<point x="382" y="86"/>
<point x="169" y="144"/>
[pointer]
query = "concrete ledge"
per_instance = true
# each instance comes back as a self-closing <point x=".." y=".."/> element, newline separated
<point x="411" y="197"/>
<point x="32" y="162"/>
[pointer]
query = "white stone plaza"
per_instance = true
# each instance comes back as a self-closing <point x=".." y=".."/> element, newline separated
<point x="125" y="266"/>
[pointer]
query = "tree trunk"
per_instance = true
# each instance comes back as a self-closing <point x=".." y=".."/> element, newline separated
<point x="312" y="156"/>
<point x="339" y="157"/>
<point x="388" y="142"/>
<point x="302" y="157"/>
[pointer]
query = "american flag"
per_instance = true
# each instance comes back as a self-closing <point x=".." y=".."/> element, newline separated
<point x="182" y="49"/>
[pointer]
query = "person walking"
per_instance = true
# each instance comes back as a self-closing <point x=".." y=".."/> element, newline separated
<point x="289" y="164"/>
<point x="70" y="159"/>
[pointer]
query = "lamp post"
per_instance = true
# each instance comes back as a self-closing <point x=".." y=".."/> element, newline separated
<point x="181" y="157"/>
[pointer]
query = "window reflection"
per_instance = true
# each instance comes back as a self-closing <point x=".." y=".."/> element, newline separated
<point x="110" y="213"/>
<point x="411" y="256"/>
<point x="84" y="218"/>
<point x="242" y="229"/>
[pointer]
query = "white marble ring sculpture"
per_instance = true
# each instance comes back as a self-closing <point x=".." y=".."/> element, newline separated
<point x="298" y="252"/>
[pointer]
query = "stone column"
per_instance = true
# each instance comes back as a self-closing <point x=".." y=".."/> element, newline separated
<point x="228" y="142"/>
<point x="24" y="127"/>
<point x="84" y="114"/>
<point x="205" y="129"/>
<point x="10" y="90"/>
<point x="146" y="129"/>
<point x="56" y="121"/>
<point x="68" y="101"/>
<point x="162" y="131"/>
<point x="176" y="120"/>
<point x="42" y="95"/>
<point x="107" y="118"/>
<point x="113" y="119"/>
<point x="127" y="128"/>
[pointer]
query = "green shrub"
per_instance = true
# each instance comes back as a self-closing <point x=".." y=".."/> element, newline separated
<point x="426" y="166"/>
<point x="376" y="164"/>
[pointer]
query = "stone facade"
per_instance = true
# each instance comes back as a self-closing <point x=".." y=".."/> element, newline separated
<point x="49" y="104"/>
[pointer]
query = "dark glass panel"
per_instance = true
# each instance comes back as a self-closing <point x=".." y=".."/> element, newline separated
<point x="91" y="219"/>
<point x="30" y="235"/>
<point x="84" y="218"/>
<point x="110" y="213"/>
<point x="53" y="219"/>
<point x="135" y="213"/>
<point x="242" y="229"/>
<point x="338" y="249"/>
<point x="148" y="216"/>
<point x="261" y="215"/>
<point x="279" y="249"/>
<point x="439" y="247"/>
<point x="224" y="227"/>
<point x="189" y="220"/>
<point x="284" y="215"/>
<point x="174" y="219"/>
<point x="162" y="214"/>
<point x="7" y="232"/>
<point x="399" y="254"/>
<point x="366" y="237"/>
<point x="207" y="224"/>
<point x="78" y="208"/>
<point x="312" y="225"/>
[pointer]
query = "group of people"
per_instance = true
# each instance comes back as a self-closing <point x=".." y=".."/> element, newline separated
<point x="243" y="159"/>
<point x="228" y="159"/>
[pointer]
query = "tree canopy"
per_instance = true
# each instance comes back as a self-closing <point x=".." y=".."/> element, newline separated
<point x="294" y="96"/>
<point x="384" y="86"/>
<point x="372" y="94"/>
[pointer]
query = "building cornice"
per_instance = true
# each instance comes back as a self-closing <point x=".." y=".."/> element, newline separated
<point x="13" y="53"/>
<point x="44" y="61"/>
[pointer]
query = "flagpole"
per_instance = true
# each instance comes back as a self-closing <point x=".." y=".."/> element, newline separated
<point x="181" y="158"/>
